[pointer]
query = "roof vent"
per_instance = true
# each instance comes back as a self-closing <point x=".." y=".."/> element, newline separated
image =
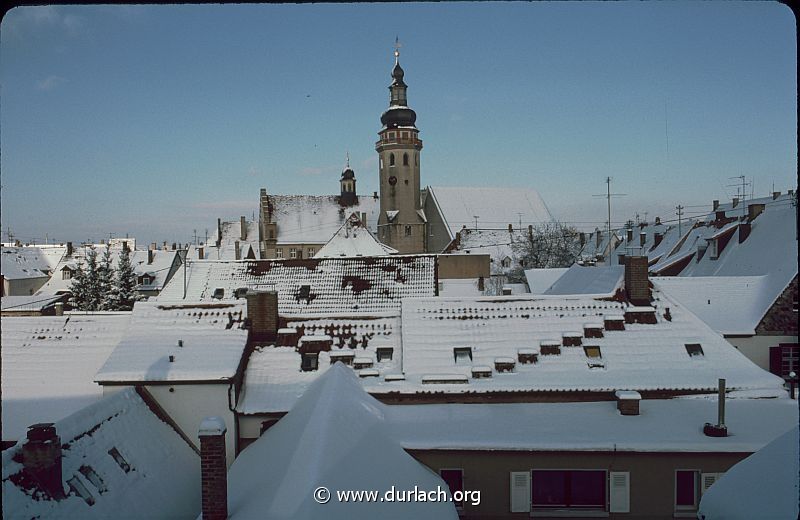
<point x="719" y="429"/>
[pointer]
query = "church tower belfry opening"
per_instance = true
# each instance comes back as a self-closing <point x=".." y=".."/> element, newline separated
<point x="401" y="223"/>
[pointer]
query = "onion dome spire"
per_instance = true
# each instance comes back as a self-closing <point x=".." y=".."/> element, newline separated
<point x="399" y="114"/>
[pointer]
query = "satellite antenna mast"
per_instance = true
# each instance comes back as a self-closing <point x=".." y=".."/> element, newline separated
<point x="608" y="196"/>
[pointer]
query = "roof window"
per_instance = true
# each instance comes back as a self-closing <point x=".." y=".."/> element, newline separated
<point x="384" y="353"/>
<point x="309" y="361"/>
<point x="462" y="355"/>
<point x="592" y="351"/>
<point x="119" y="459"/>
<point x="694" y="349"/>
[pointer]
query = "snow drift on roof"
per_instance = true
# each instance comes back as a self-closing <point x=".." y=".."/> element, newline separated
<point x="588" y="280"/>
<point x="335" y="436"/>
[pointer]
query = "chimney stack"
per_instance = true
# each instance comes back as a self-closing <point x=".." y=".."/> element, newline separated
<point x="41" y="458"/>
<point x="628" y="402"/>
<point x="374" y="194"/>
<point x="714" y="205"/>
<point x="125" y="245"/>
<point x="637" y="283"/>
<point x="242" y="228"/>
<point x="629" y="235"/>
<point x="174" y="246"/>
<point x="658" y="221"/>
<point x="657" y="238"/>
<point x="775" y="195"/>
<point x="719" y="429"/>
<point x="219" y="232"/>
<point x="213" y="469"/>
<point x="262" y="314"/>
<point x="69" y="248"/>
<point x="364" y="219"/>
<point x="149" y="256"/>
<point x="238" y="251"/>
<point x="510" y="228"/>
<point x="754" y="210"/>
<point x="582" y="237"/>
<point x="200" y="253"/>
<point x="59" y="308"/>
<point x="735" y="202"/>
<point x="642" y="238"/>
<point x="153" y="246"/>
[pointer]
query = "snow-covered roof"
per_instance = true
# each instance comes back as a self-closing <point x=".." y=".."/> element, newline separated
<point x="641" y="357"/>
<point x="313" y="219"/>
<point x="353" y="239"/>
<point x="28" y="303"/>
<point x="764" y="485"/>
<point x="495" y="207"/>
<point x="499" y="244"/>
<point x="664" y="425"/>
<point x="597" y="280"/>
<point x="333" y="285"/>
<point x="539" y="280"/>
<point x="231" y="233"/>
<point x="161" y="267"/>
<point x="178" y="343"/>
<point x="728" y="304"/>
<point x="460" y="287"/>
<point x="334" y="436"/>
<point x="19" y="263"/>
<point x="121" y="457"/>
<point x="273" y="380"/>
<point x="49" y="364"/>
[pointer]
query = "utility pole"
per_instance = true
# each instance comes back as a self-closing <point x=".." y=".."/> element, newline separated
<point x="195" y="237"/>
<point x="608" y="196"/>
<point x="680" y="217"/>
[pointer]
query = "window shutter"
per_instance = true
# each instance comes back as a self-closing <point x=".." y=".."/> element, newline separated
<point x="520" y="491"/>
<point x="620" y="494"/>
<point x="707" y="480"/>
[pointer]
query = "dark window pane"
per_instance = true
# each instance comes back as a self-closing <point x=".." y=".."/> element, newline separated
<point x="588" y="489"/>
<point x="454" y="478"/>
<point x="549" y="488"/>
<point x="685" y="488"/>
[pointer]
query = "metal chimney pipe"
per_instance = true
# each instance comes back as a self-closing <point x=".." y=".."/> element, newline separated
<point x="721" y="403"/>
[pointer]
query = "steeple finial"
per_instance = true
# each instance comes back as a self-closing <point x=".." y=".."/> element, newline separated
<point x="397" y="46"/>
<point x="348" y="159"/>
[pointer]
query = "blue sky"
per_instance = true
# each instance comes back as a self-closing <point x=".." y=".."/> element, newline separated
<point x="156" y="120"/>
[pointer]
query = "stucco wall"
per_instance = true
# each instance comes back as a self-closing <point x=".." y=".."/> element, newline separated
<point x="756" y="348"/>
<point x="652" y="475"/>
<point x="463" y="266"/>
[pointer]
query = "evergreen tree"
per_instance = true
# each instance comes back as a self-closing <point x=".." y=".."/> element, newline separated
<point x="105" y="281"/>
<point x="125" y="291"/>
<point x="92" y="295"/>
<point x="78" y="288"/>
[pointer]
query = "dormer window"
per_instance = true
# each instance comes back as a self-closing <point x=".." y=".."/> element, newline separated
<point x="309" y="361"/>
<point x="66" y="274"/>
<point x="384" y="353"/>
<point x="462" y="355"/>
<point x="694" y="350"/>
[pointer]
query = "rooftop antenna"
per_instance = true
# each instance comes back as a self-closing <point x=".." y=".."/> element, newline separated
<point x="741" y="190"/>
<point x="476" y="217"/>
<point x="679" y="212"/>
<point x="608" y="196"/>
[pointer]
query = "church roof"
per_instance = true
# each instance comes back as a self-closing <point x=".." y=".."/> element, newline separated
<point x="496" y="208"/>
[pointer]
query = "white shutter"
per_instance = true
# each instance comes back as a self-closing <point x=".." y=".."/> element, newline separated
<point x="619" y="500"/>
<point x="520" y="491"/>
<point x="707" y="480"/>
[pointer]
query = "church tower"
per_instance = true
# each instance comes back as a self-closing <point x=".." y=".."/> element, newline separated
<point x="347" y="186"/>
<point x="401" y="223"/>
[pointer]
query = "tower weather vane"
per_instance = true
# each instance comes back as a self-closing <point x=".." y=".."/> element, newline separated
<point x="397" y="46"/>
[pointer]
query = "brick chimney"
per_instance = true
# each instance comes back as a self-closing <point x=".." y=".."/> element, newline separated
<point x="754" y="210"/>
<point x="238" y="251"/>
<point x="642" y="238"/>
<point x="629" y="235"/>
<point x="744" y="231"/>
<point x="41" y="458"/>
<point x="735" y="202"/>
<point x="213" y="469"/>
<point x="242" y="228"/>
<point x="637" y="283"/>
<point x="510" y="228"/>
<point x="200" y="253"/>
<point x="714" y="205"/>
<point x="582" y="238"/>
<point x="262" y="314"/>
<point x="149" y="256"/>
<point x="628" y="402"/>
<point x="69" y="248"/>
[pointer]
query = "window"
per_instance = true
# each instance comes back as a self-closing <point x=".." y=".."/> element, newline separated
<point x="572" y="489"/>
<point x="66" y="274"/>
<point x="292" y="253"/>
<point x="405" y="159"/>
<point x="462" y="355"/>
<point x="279" y="253"/>
<point x="272" y="234"/>
<point x="309" y="361"/>
<point x="686" y="490"/>
<point x="381" y="159"/>
<point x="391" y="136"/>
<point x="694" y="349"/>
<point x="408" y="231"/>
<point x="311" y="252"/>
<point x="506" y="262"/>
<point x="592" y="351"/>
<point x="391" y="159"/>
<point x="404" y="135"/>
<point x="384" y="353"/>
<point x="455" y="481"/>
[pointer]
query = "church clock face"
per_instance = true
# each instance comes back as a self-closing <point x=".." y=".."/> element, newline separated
<point x="392" y="180"/>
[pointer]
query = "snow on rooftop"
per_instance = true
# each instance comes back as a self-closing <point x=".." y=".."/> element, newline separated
<point x="539" y="280"/>
<point x="321" y="286"/>
<point x="641" y="357"/>
<point x="671" y="425"/>
<point x="130" y="464"/>
<point x="313" y="219"/>
<point x="764" y="485"/>
<point x="27" y="303"/>
<point x="334" y="436"/>
<point x="598" y="280"/>
<point x="495" y="207"/>
<point x="353" y="239"/>
<point x="28" y="262"/>
<point x="49" y="363"/>
<point x="273" y="381"/>
<point x="180" y="342"/>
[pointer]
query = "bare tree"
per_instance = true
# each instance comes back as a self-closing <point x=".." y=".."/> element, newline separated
<point x="546" y="245"/>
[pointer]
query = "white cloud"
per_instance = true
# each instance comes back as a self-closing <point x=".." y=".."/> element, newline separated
<point x="49" y="83"/>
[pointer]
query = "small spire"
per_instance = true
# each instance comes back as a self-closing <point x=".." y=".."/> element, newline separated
<point x="397" y="46"/>
<point x="348" y="159"/>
